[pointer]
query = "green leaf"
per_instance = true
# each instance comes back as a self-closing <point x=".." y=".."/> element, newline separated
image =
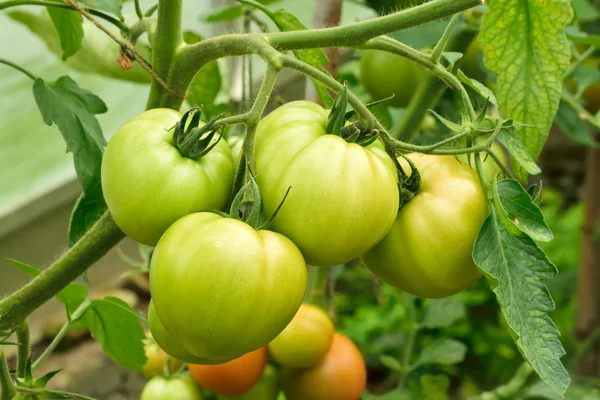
<point x="585" y="11"/>
<point x="529" y="69"/>
<point x="110" y="6"/>
<point x="518" y="204"/>
<point x="444" y="312"/>
<point x="452" y="57"/>
<point x="514" y="144"/>
<point x="71" y="108"/>
<point x="224" y="14"/>
<point x="478" y="87"/>
<point x="69" y="26"/>
<point x="117" y="327"/>
<point x="28" y="269"/>
<point x="435" y="387"/>
<point x="206" y="85"/>
<point x="390" y="363"/>
<point x="574" y="127"/>
<point x="443" y="351"/>
<point x="516" y="269"/>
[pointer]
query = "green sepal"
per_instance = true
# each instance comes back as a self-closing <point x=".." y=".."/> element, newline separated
<point x="337" y="116"/>
<point x="457" y="128"/>
<point x="195" y="141"/>
<point x="408" y="186"/>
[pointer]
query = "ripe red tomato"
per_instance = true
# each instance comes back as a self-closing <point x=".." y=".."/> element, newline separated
<point x="232" y="378"/>
<point x="340" y="375"/>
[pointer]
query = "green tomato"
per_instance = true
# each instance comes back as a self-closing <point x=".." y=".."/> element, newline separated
<point x="471" y="62"/>
<point x="266" y="389"/>
<point x="305" y="340"/>
<point x="428" y="251"/>
<point x="175" y="388"/>
<point x="148" y="184"/>
<point x="384" y="74"/>
<point x="223" y="289"/>
<point x="166" y="341"/>
<point x="235" y="143"/>
<point x="343" y="197"/>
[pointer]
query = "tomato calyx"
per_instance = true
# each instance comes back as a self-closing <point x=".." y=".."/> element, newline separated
<point x="247" y="206"/>
<point x="409" y="185"/>
<point x="191" y="139"/>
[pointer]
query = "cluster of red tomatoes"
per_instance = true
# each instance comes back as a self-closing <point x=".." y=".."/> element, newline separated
<point x="222" y="289"/>
<point x="312" y="361"/>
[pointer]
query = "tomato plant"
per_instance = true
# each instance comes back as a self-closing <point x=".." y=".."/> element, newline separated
<point x="234" y="377"/>
<point x="385" y="75"/>
<point x="174" y="388"/>
<point x="340" y="375"/>
<point x="447" y="212"/>
<point x="260" y="278"/>
<point x="305" y="340"/>
<point x="148" y="184"/>
<point x="327" y="212"/>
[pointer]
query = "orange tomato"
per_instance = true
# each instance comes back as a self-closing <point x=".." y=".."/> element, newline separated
<point x="340" y="375"/>
<point x="232" y="378"/>
<point x="156" y="359"/>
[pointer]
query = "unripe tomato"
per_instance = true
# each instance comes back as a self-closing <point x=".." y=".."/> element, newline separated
<point x="251" y="283"/>
<point x="166" y="341"/>
<point x="305" y="340"/>
<point x="175" y="388"/>
<point x="148" y="184"/>
<point x="384" y="74"/>
<point x="428" y="251"/>
<point x="232" y="378"/>
<point x="235" y="144"/>
<point x="343" y="197"/>
<point x="340" y="375"/>
<point x="157" y="359"/>
<point x="470" y="63"/>
<point x="266" y="389"/>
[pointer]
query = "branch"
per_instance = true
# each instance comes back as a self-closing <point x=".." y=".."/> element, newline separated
<point x="96" y="242"/>
<point x="167" y="39"/>
<point x="47" y="3"/>
<point x="189" y="59"/>
<point x="7" y="387"/>
<point x="24" y="351"/>
<point x="18" y="68"/>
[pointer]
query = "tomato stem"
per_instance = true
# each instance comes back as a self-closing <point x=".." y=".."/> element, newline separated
<point x="23" y="350"/>
<point x="96" y="242"/>
<point x="316" y="290"/>
<point x="7" y="387"/>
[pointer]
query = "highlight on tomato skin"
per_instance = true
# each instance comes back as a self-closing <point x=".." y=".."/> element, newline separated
<point x="179" y="387"/>
<point x="305" y="340"/>
<point x="340" y="375"/>
<point x="232" y="378"/>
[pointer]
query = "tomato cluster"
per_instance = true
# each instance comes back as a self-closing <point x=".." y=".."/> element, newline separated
<point x="224" y="289"/>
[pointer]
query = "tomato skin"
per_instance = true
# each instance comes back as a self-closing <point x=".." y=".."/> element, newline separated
<point x="384" y="74"/>
<point x="157" y="359"/>
<point x="148" y="184"/>
<point x="305" y="340"/>
<point x="176" y="388"/>
<point x="340" y="375"/>
<point x="232" y="378"/>
<point x="166" y="341"/>
<point x="428" y="251"/>
<point x="344" y="197"/>
<point x="248" y="280"/>
<point x="266" y="389"/>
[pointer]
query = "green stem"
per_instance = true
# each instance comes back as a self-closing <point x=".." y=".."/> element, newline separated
<point x="167" y="39"/>
<point x="256" y="112"/>
<point x="7" y="387"/>
<point x="189" y="59"/>
<point x="575" y="104"/>
<point x="317" y="287"/>
<point x="151" y="10"/>
<point x="49" y="3"/>
<point x="439" y="48"/>
<point x="61" y="334"/>
<point x="18" y="68"/>
<point x="138" y="9"/>
<point x="510" y="389"/>
<point x="427" y="95"/>
<point x="359" y="32"/>
<point x="24" y="351"/>
<point x="96" y="242"/>
<point x="578" y="61"/>
<point x="407" y="357"/>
